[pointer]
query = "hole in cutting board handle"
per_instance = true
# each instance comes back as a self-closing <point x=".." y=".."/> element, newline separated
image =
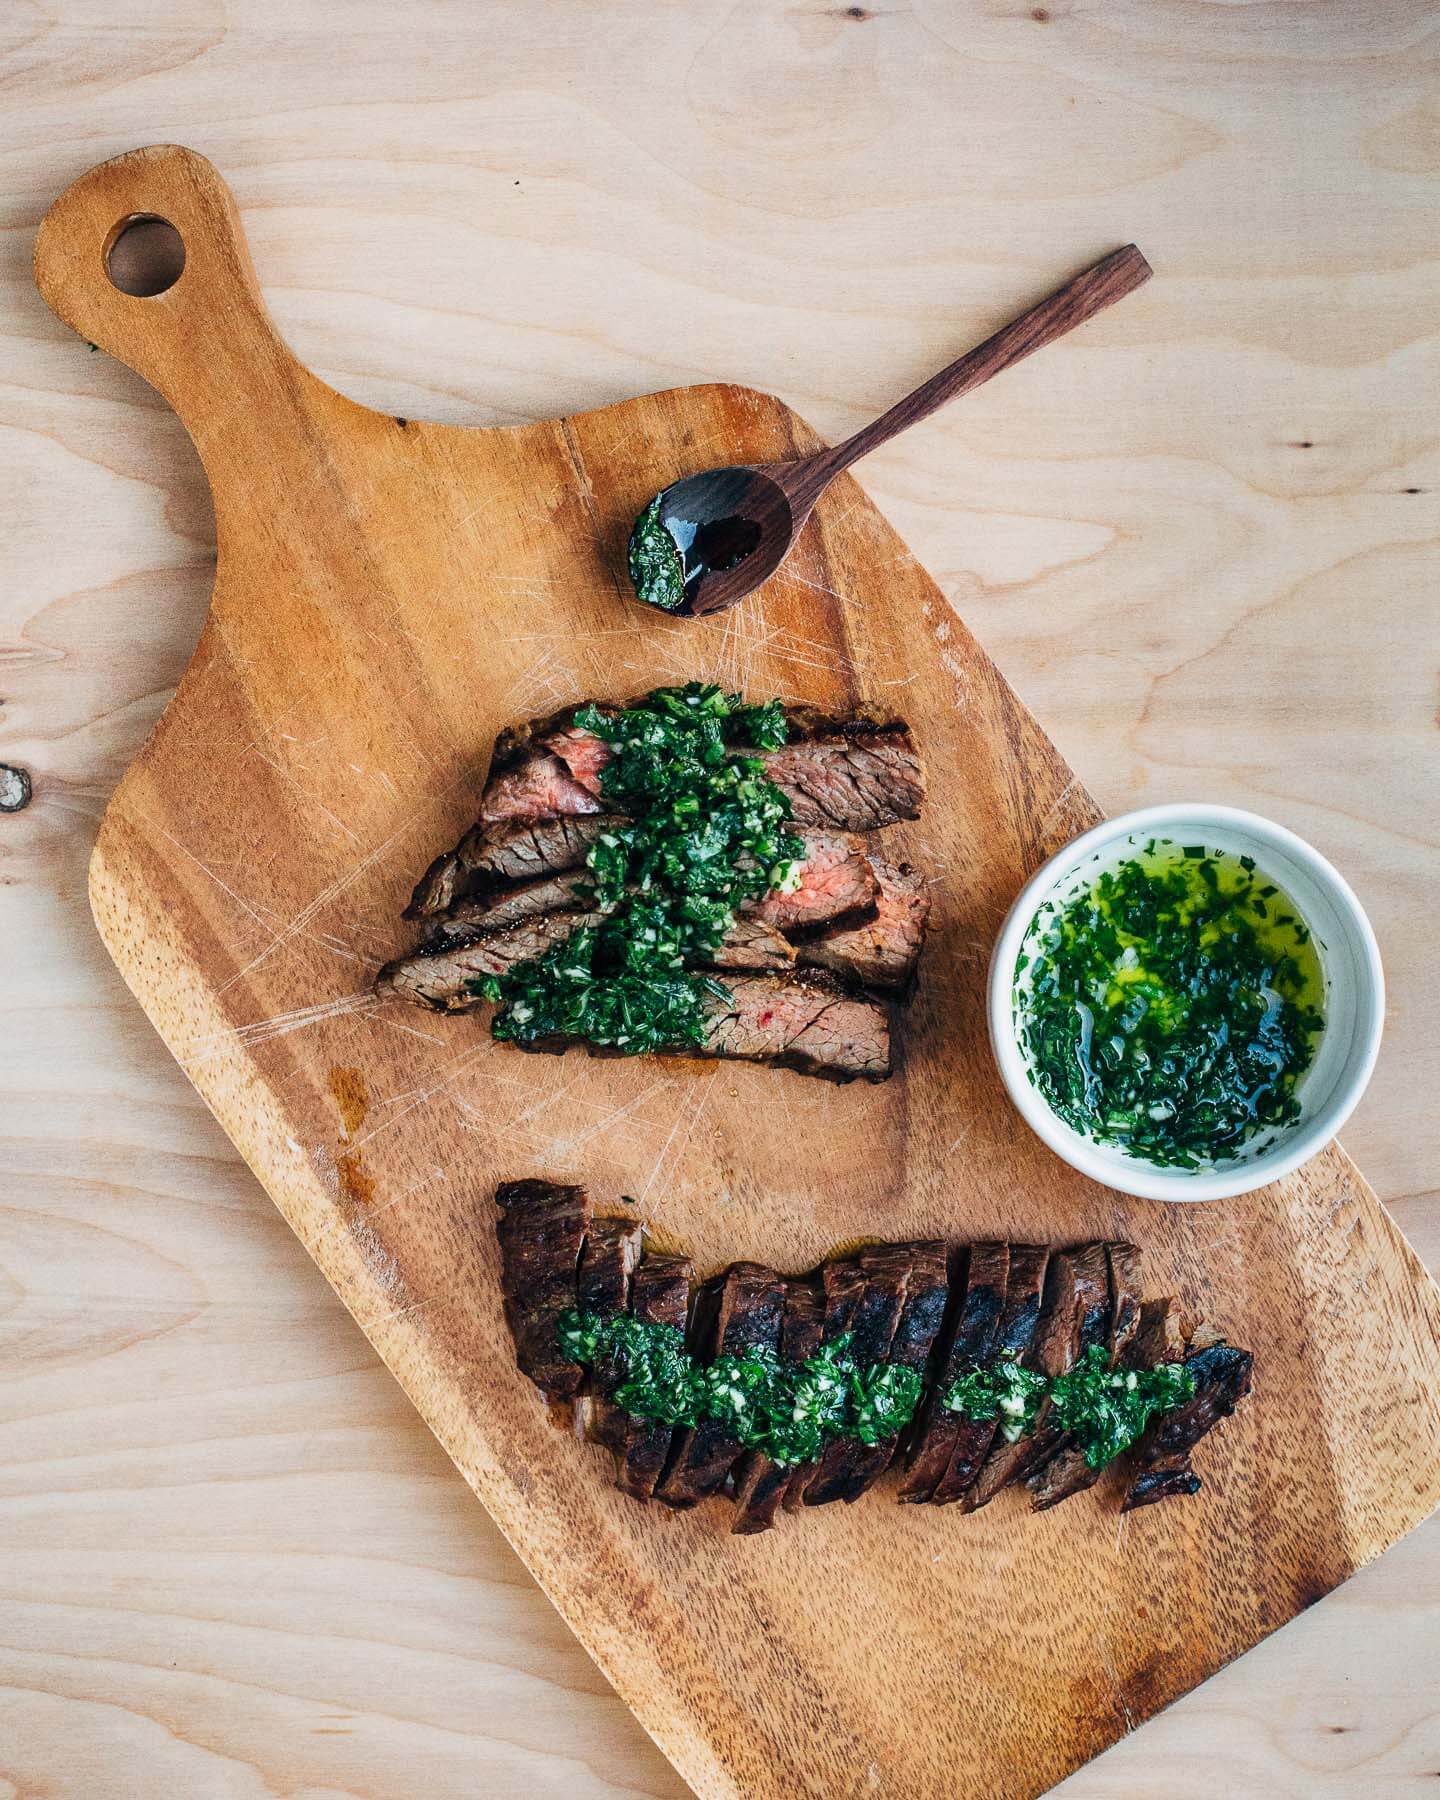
<point x="145" y="255"/>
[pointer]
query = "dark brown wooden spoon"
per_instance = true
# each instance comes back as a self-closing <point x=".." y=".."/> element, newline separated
<point x="733" y="527"/>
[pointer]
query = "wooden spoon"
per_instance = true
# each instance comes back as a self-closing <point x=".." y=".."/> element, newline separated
<point x="733" y="527"/>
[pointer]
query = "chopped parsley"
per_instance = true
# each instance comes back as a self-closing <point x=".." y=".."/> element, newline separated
<point x="704" y="831"/>
<point x="657" y="572"/>
<point x="787" y="1410"/>
<point x="1103" y="1409"/>
<point x="1005" y="1391"/>
<point x="1170" y="1007"/>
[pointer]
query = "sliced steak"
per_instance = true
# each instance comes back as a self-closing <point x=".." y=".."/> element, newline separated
<point x="804" y="1022"/>
<point x="838" y="886"/>
<point x="602" y="1285"/>
<point x="748" y="1301"/>
<point x="1067" y="1472"/>
<point x="441" y="981"/>
<point x="760" y="1483"/>
<point x="882" y="952"/>
<point x="539" y="787"/>
<point x="1015" y="1338"/>
<point x="843" y="1284"/>
<point x="659" y="1295"/>
<point x="518" y="851"/>
<point x="926" y="1292"/>
<point x="886" y="1268"/>
<point x="860" y="779"/>
<point x="541" y="1228"/>
<point x="479" y="914"/>
<point x="1161" y="1459"/>
<point x="855" y="774"/>
<point x="975" y="1328"/>
<point x="1076" y="1301"/>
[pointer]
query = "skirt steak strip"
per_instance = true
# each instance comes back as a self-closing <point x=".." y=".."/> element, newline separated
<point x="760" y="1483"/>
<point x="1067" y="1472"/>
<point x="541" y="1229"/>
<point x="607" y="1265"/>
<point x="745" y="1315"/>
<point x="974" y="1331"/>
<point x="659" y="1295"/>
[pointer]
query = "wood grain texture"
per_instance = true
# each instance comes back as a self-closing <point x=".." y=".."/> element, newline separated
<point x="381" y="590"/>
<point x="190" y="1415"/>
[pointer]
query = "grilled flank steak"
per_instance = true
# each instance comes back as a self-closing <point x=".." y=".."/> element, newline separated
<point x="786" y="1392"/>
<point x="627" y="861"/>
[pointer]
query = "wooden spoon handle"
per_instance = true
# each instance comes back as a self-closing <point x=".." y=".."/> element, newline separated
<point x="206" y="340"/>
<point x="1109" y="280"/>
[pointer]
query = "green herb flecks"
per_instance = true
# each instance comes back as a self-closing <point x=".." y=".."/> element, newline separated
<point x="787" y="1410"/>
<point x="704" y="832"/>
<point x="1170" y="1007"/>
<point x="656" y="570"/>
<point x="1105" y="1410"/>
<point x="1005" y="1391"/>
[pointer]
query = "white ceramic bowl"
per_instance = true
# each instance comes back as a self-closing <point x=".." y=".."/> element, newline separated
<point x="1354" y="1002"/>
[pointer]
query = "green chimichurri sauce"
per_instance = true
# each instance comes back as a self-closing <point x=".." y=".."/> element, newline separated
<point x="657" y="571"/>
<point x="704" y="832"/>
<point x="1170" y="1007"/>
<point x="788" y="1410"/>
<point x="1104" y="1410"/>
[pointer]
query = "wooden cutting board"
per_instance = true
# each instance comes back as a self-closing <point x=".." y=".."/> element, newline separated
<point x="388" y="595"/>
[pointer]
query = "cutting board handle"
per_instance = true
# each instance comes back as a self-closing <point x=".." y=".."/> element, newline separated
<point x="205" y="340"/>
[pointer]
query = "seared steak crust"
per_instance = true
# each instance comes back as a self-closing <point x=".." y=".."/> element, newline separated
<point x="748" y="1305"/>
<point x="937" y="1431"/>
<point x="541" y="1228"/>
<point x="1015" y="1337"/>
<point x="607" y="1264"/>
<point x="760" y="1484"/>
<point x="892" y="1302"/>
<point x="1067" y="1472"/>
<point x="886" y="1268"/>
<point x="1162" y="1457"/>
<point x="659" y="1295"/>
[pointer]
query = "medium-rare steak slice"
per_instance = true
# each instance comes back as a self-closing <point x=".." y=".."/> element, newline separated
<point x="518" y="851"/>
<point x="860" y="780"/>
<point x="976" y="1325"/>
<point x="927" y="1291"/>
<point x="1161" y="1460"/>
<point x="1015" y="1339"/>
<point x="1067" y="1472"/>
<point x="602" y="1285"/>
<point x="659" y="1295"/>
<point x="761" y="1483"/>
<point x="541" y="1228"/>
<point x="882" y="952"/>
<point x="538" y="787"/>
<point x="837" y="886"/>
<point x="742" y="1312"/>
<point x="886" y="1268"/>
<point x="856" y="774"/>
<point x="1076" y="1307"/>
<point x="441" y="981"/>
<point x="804" y="1022"/>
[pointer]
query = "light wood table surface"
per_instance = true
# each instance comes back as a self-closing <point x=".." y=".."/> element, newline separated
<point x="232" y="1562"/>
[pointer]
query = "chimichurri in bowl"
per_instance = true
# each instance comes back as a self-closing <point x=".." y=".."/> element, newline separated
<point x="1186" y="1002"/>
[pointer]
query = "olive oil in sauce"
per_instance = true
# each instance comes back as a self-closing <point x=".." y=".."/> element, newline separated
<point x="1171" y="1004"/>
